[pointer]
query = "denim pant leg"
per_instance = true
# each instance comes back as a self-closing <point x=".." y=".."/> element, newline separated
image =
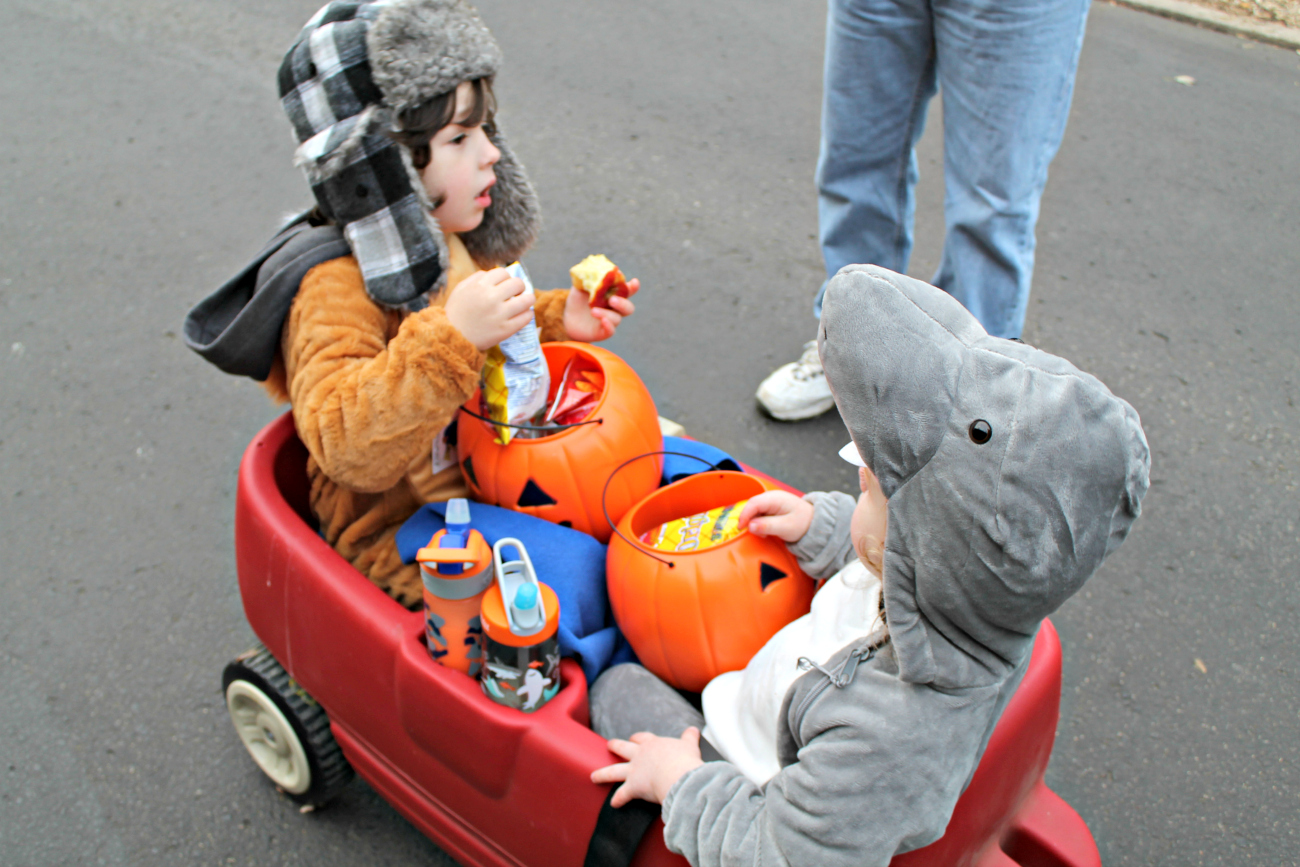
<point x="879" y="78"/>
<point x="1006" y="70"/>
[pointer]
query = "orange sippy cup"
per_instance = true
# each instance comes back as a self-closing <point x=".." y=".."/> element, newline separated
<point x="456" y="567"/>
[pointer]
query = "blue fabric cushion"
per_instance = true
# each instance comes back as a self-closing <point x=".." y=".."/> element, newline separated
<point x="693" y="456"/>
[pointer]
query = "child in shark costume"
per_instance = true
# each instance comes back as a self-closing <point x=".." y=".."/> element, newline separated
<point x="1009" y="476"/>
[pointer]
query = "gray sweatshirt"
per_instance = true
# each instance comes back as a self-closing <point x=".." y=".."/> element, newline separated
<point x="1010" y="475"/>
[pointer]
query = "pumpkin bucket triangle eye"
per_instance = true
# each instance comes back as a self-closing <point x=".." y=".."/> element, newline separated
<point x="767" y="574"/>
<point x="533" y="495"/>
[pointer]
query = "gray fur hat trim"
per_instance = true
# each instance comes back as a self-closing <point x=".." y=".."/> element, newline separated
<point x="352" y="70"/>
<point x="1011" y="474"/>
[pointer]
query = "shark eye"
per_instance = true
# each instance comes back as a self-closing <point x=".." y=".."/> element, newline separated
<point x="980" y="431"/>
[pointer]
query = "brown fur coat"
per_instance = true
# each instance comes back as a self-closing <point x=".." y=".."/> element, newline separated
<point x="370" y="389"/>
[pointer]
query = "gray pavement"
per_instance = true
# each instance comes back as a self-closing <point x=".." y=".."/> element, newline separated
<point x="145" y="157"/>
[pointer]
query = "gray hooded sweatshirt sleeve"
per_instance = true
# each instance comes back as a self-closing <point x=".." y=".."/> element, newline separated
<point x="1010" y="475"/>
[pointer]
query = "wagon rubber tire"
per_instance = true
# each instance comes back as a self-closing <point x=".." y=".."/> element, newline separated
<point x="283" y="728"/>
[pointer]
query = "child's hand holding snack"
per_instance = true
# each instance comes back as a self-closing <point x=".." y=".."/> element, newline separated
<point x="489" y="306"/>
<point x="590" y="324"/>
<point x="599" y="299"/>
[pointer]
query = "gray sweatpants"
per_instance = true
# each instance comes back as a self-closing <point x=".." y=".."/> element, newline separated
<point x="627" y="699"/>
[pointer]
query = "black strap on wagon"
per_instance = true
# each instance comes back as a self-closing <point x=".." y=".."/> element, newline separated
<point x="619" y="832"/>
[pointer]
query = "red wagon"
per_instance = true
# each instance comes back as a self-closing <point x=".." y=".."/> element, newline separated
<point x="344" y="683"/>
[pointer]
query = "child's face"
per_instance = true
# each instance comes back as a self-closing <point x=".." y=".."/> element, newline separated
<point x="870" y="516"/>
<point x="459" y="175"/>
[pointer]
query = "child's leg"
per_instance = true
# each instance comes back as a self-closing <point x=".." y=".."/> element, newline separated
<point x="627" y="699"/>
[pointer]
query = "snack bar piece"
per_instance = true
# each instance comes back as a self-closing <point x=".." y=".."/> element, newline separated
<point x="600" y="279"/>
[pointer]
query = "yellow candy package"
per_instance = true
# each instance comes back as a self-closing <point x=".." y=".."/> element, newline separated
<point x="696" y="532"/>
<point x="515" y="379"/>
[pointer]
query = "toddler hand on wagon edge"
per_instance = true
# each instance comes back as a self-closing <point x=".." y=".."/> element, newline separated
<point x="652" y="764"/>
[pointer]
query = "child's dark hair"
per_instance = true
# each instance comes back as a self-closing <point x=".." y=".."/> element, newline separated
<point x="419" y="124"/>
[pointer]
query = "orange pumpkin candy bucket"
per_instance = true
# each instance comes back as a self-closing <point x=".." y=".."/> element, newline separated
<point x="560" y="477"/>
<point x="693" y="615"/>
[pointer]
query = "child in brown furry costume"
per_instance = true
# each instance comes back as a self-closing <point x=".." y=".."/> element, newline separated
<point x="393" y="105"/>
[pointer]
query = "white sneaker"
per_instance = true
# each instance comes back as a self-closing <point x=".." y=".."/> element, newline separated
<point x="797" y="390"/>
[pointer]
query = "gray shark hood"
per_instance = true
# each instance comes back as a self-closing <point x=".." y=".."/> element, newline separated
<point x="1011" y="474"/>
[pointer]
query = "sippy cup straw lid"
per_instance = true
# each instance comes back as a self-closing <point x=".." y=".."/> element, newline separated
<point x="519" y="610"/>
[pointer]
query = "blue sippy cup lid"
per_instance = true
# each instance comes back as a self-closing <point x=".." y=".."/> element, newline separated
<point x="525" y="609"/>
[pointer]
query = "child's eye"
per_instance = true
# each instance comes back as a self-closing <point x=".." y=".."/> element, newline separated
<point x="458" y="139"/>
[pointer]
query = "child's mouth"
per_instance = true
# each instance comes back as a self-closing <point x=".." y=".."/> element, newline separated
<point x="484" y="199"/>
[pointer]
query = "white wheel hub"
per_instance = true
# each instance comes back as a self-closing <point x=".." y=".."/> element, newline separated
<point x="269" y="737"/>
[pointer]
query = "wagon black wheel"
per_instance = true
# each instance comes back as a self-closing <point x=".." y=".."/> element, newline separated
<point x="283" y="728"/>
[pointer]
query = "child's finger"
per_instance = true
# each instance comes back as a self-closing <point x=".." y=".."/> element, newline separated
<point x="511" y="288"/>
<point x="633" y="287"/>
<point x="623" y="749"/>
<point x="622" y="795"/>
<point x="609" y="320"/>
<point x="622" y="306"/>
<point x="519" y="305"/>
<point x="762" y="504"/>
<point x="611" y="773"/>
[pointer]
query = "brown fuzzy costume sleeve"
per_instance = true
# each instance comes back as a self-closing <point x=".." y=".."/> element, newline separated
<point x="549" y="311"/>
<point x="370" y="389"/>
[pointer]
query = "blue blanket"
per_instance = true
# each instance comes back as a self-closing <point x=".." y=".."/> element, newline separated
<point x="569" y="562"/>
<point x="692" y="457"/>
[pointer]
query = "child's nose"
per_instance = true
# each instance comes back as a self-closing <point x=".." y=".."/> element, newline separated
<point x="491" y="153"/>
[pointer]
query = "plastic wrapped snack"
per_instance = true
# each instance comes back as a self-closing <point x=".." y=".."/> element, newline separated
<point x="515" y="377"/>
<point x="696" y="532"/>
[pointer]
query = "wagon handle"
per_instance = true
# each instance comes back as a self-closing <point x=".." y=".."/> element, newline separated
<point x="604" y="491"/>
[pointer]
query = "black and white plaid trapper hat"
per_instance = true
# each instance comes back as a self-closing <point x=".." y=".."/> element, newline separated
<point x="352" y="70"/>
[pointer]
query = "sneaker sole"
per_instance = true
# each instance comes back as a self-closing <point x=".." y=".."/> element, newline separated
<point x="816" y="409"/>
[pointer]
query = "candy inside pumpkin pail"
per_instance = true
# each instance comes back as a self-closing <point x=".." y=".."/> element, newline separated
<point x="560" y="477"/>
<point x="691" y="616"/>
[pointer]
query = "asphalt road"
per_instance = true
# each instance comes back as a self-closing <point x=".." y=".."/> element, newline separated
<point x="144" y="157"/>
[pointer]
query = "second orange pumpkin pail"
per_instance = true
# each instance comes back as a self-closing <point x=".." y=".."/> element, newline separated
<point x="560" y="477"/>
<point x="711" y="610"/>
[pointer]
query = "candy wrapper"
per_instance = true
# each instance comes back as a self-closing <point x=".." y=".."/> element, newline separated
<point x="515" y="377"/>
<point x="577" y="394"/>
<point x="696" y="532"/>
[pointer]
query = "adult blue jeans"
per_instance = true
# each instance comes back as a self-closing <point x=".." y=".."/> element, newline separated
<point x="1006" y="69"/>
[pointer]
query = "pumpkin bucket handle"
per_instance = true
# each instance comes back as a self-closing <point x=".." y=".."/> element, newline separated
<point x="605" y="490"/>
<point x="548" y="428"/>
